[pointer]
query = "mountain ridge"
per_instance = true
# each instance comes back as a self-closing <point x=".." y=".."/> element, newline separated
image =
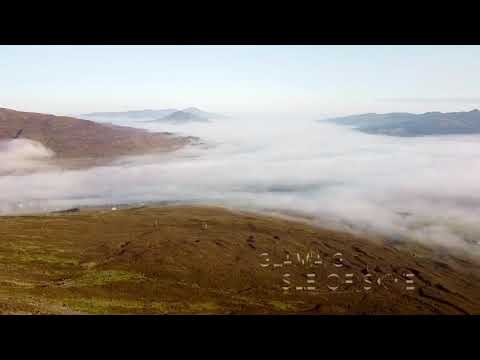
<point x="408" y="124"/>
<point x="140" y="114"/>
<point x="149" y="115"/>
<point x="182" y="116"/>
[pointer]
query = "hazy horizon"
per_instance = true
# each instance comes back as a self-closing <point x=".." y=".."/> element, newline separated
<point x="307" y="81"/>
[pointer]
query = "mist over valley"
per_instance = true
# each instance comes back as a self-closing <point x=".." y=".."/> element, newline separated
<point x="425" y="189"/>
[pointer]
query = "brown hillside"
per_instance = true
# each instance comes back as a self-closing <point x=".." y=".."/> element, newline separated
<point x="75" y="138"/>
<point x="184" y="260"/>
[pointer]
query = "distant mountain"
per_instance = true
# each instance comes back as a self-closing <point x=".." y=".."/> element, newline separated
<point x="168" y="115"/>
<point x="203" y="114"/>
<point x="131" y="115"/>
<point x="182" y="117"/>
<point x="406" y="124"/>
<point x="190" y="114"/>
<point x="75" y="138"/>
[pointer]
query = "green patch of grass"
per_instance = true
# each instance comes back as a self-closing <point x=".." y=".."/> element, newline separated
<point x="99" y="278"/>
<point x="160" y="307"/>
<point x="89" y="265"/>
<point x="119" y="306"/>
<point x="184" y="307"/>
<point x="48" y="259"/>
<point x="103" y="306"/>
<point x="16" y="283"/>
<point x="204" y="307"/>
<point x="278" y="305"/>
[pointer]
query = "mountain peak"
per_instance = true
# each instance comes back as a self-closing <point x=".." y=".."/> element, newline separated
<point x="184" y="116"/>
<point x="193" y="110"/>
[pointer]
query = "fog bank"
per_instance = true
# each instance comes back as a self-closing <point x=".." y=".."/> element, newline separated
<point x="18" y="156"/>
<point x="407" y="188"/>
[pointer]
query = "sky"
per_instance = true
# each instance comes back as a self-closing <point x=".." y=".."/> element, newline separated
<point x="309" y="80"/>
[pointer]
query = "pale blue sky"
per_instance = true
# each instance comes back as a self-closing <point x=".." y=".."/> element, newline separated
<point x="311" y="80"/>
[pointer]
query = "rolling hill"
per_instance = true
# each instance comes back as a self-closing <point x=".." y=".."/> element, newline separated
<point x="406" y="124"/>
<point x="73" y="138"/>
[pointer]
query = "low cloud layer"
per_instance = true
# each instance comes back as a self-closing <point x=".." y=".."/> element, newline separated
<point x="407" y="188"/>
<point x="18" y="156"/>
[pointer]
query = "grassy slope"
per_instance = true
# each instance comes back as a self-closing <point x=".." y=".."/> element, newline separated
<point x="165" y="260"/>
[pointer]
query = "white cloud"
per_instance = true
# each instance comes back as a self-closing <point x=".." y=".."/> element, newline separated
<point x="421" y="188"/>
